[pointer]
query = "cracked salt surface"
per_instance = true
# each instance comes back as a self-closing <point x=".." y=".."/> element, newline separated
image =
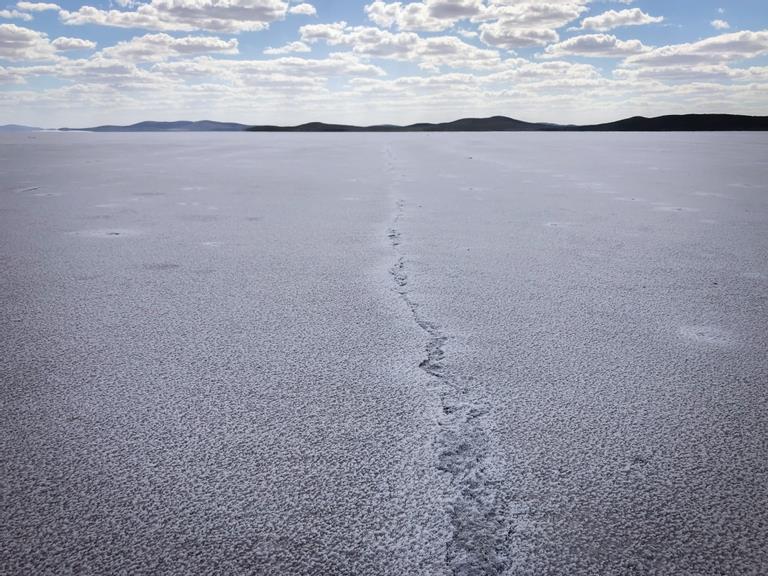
<point x="476" y="545"/>
<point x="708" y="335"/>
<point x="412" y="383"/>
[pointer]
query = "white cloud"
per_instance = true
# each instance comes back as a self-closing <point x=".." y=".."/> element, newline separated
<point x="599" y="45"/>
<point x="429" y="15"/>
<point x="553" y="73"/>
<point x="501" y="35"/>
<point x="287" y="69"/>
<point x="550" y="14"/>
<point x="293" y="90"/>
<point x="509" y="24"/>
<point x="65" y="43"/>
<point x="15" y="15"/>
<point x="615" y="19"/>
<point x="454" y="9"/>
<point x="18" y="43"/>
<point x="10" y="76"/>
<point x="333" y="33"/>
<point x="37" y="6"/>
<point x="688" y="74"/>
<point x="185" y="15"/>
<point x="503" y="23"/>
<point x="158" y="47"/>
<point x="720" y="24"/>
<point x="430" y="53"/>
<point x="714" y="50"/>
<point x="116" y="74"/>
<point x="304" y="9"/>
<point x="288" y="48"/>
<point x="433" y="53"/>
<point x="411" y="16"/>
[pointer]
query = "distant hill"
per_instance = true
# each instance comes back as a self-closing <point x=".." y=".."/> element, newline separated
<point x="313" y="127"/>
<point x="18" y="128"/>
<point x="493" y="124"/>
<point x="672" y="123"/>
<point x="675" y="123"/>
<point x="179" y="126"/>
<point x="682" y="123"/>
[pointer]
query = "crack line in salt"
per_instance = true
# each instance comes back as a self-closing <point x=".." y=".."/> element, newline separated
<point x="480" y="531"/>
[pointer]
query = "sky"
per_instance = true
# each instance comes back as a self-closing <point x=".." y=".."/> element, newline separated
<point x="375" y="61"/>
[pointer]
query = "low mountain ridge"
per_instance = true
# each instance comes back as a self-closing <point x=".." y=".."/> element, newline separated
<point x="178" y="126"/>
<point x="669" y="123"/>
<point x="18" y="128"/>
<point x="683" y="123"/>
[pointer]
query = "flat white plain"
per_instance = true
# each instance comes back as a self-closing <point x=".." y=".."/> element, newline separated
<point x="384" y="354"/>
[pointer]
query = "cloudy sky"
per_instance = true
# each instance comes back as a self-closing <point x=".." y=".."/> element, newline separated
<point x="274" y="61"/>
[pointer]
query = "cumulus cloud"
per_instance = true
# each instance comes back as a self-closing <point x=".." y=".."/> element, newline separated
<point x="438" y="15"/>
<point x="520" y="85"/>
<point x="231" y="16"/>
<point x="10" y="76"/>
<point x="501" y="35"/>
<point x="15" y="15"/>
<point x="561" y="70"/>
<point x="433" y="53"/>
<point x="717" y="49"/>
<point x="208" y="79"/>
<point x="454" y="9"/>
<point x="598" y="45"/>
<point x="279" y="68"/>
<point x="720" y="24"/>
<point x="18" y="43"/>
<point x="430" y="53"/>
<point x="37" y="6"/>
<point x="514" y="25"/>
<point x="529" y="90"/>
<point x="65" y="43"/>
<point x="102" y="71"/>
<point x="615" y="19"/>
<point x="157" y="47"/>
<point x="333" y="33"/>
<point x="689" y="74"/>
<point x="288" y="48"/>
<point x="552" y="14"/>
<point x="411" y="16"/>
<point x="304" y="9"/>
<point x="429" y="15"/>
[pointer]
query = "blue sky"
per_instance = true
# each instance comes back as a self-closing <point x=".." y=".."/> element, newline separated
<point x="273" y="61"/>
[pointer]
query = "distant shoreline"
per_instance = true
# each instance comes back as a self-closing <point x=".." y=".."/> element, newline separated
<point x="668" y="123"/>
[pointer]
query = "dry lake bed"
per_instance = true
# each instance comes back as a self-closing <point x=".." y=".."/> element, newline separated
<point x="373" y="354"/>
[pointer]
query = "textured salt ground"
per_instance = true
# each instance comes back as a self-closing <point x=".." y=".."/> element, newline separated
<point x="191" y="395"/>
<point x="622" y="353"/>
<point x="384" y="354"/>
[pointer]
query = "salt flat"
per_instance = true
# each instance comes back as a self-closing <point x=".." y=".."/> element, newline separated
<point x="384" y="354"/>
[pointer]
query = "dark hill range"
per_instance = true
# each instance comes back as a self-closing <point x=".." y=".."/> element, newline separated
<point x="682" y="123"/>
<point x="493" y="124"/>
<point x="18" y="128"/>
<point x="676" y="123"/>
<point x="672" y="123"/>
<point x="179" y="126"/>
